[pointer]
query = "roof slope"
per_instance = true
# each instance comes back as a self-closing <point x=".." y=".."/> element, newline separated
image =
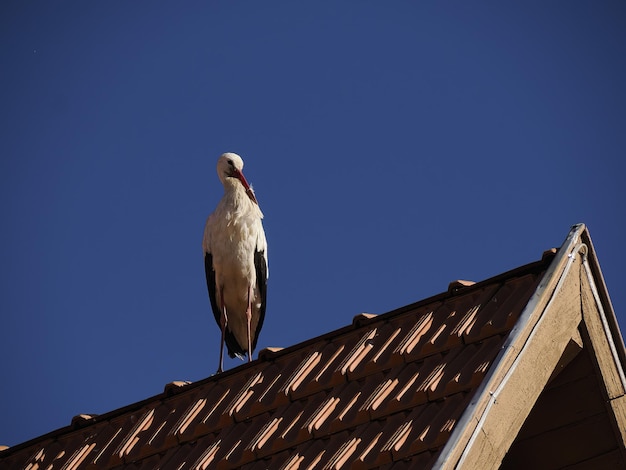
<point x="540" y="394"/>
<point x="407" y="388"/>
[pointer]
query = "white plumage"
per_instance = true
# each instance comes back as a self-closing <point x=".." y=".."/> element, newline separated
<point x="235" y="261"/>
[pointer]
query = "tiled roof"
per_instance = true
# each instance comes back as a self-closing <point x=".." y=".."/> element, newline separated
<point x="484" y="375"/>
<point x="388" y="388"/>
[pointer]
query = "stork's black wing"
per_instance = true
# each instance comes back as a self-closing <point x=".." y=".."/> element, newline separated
<point x="210" y="283"/>
<point x="234" y="348"/>
<point x="260" y="265"/>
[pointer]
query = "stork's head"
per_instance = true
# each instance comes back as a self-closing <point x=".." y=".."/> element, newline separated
<point x="230" y="165"/>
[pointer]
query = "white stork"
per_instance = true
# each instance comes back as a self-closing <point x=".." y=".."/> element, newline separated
<point x="235" y="261"/>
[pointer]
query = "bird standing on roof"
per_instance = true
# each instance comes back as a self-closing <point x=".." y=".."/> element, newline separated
<point x="235" y="261"/>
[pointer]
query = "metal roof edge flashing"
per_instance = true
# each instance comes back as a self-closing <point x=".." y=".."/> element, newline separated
<point x="547" y="288"/>
<point x="603" y="301"/>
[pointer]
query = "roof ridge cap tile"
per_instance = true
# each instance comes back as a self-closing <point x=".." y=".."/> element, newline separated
<point x="362" y="319"/>
<point x="174" y="387"/>
<point x="459" y="284"/>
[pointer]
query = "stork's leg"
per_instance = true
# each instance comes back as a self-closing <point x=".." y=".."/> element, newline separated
<point x="223" y="323"/>
<point x="248" y="321"/>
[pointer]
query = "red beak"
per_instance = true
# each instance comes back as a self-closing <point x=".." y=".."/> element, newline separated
<point x="239" y="175"/>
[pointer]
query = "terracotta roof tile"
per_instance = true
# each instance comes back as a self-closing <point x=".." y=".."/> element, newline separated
<point x="500" y="313"/>
<point x="377" y="451"/>
<point x="469" y="368"/>
<point x="322" y="375"/>
<point x="196" y="455"/>
<point x="384" y="355"/>
<point x="386" y="389"/>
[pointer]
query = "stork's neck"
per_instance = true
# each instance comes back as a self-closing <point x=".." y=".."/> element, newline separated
<point x="232" y="184"/>
<point x="237" y="197"/>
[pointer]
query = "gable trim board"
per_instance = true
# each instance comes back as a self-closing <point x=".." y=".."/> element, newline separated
<point x="566" y="298"/>
<point x="474" y="377"/>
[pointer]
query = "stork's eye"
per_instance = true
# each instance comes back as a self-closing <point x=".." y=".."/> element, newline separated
<point x="230" y="162"/>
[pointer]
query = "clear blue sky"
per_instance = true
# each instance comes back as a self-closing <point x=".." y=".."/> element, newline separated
<point x="393" y="146"/>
